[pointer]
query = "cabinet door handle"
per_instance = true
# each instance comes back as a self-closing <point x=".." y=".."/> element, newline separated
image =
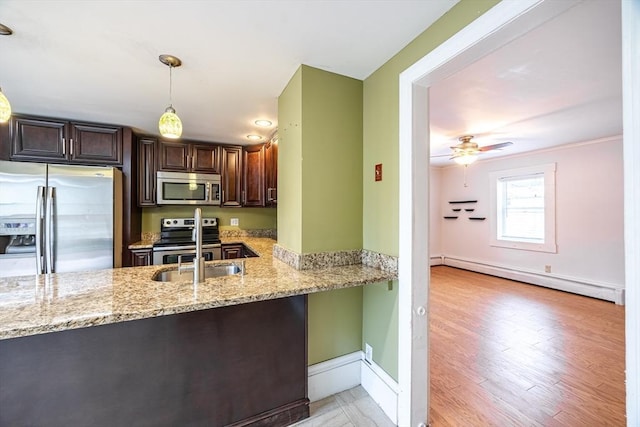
<point x="71" y="146"/>
<point x="64" y="146"/>
<point x="222" y="199"/>
<point x="244" y="198"/>
<point x="193" y="162"/>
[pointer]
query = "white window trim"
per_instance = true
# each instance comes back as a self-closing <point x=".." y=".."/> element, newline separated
<point x="549" y="245"/>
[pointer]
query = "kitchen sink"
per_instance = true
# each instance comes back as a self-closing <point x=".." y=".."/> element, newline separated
<point x="217" y="270"/>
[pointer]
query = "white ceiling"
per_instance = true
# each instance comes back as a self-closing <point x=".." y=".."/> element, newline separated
<point x="558" y="84"/>
<point x="98" y="60"/>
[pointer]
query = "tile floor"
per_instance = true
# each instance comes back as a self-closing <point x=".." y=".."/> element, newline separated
<point x="351" y="408"/>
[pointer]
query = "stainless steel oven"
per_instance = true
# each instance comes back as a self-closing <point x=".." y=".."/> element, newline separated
<point x="169" y="254"/>
<point x="176" y="239"/>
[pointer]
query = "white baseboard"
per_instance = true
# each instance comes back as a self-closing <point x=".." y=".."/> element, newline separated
<point x="381" y="387"/>
<point x="436" y="260"/>
<point x="348" y="371"/>
<point x="334" y="376"/>
<point x="604" y="291"/>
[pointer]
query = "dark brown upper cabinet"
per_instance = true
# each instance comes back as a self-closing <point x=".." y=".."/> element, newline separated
<point x="271" y="173"/>
<point x="248" y="174"/>
<point x="146" y="171"/>
<point x="231" y="176"/>
<point x="253" y="176"/>
<point x="62" y="141"/>
<point x="188" y="157"/>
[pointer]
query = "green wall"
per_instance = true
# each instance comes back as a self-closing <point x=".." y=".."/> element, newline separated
<point x="380" y="145"/>
<point x="331" y="137"/>
<point x="250" y="218"/>
<point x="335" y="324"/>
<point x="332" y="161"/>
<point x="290" y="165"/>
<point x="380" y="324"/>
<point x="320" y="194"/>
<point x="320" y="162"/>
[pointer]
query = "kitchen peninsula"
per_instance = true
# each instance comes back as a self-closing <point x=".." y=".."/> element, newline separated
<point x="114" y="347"/>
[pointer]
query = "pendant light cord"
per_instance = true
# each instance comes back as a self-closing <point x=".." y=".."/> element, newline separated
<point x="465" y="175"/>
<point x="171" y="86"/>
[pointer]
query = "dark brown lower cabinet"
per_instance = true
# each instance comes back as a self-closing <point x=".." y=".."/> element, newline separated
<point x="232" y="251"/>
<point x="141" y="257"/>
<point x="242" y="365"/>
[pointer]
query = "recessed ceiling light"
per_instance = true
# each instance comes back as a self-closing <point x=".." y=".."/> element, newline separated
<point x="254" y="137"/>
<point x="5" y="31"/>
<point x="264" y="123"/>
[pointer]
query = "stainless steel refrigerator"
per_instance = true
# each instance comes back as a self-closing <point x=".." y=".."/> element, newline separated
<point x="59" y="218"/>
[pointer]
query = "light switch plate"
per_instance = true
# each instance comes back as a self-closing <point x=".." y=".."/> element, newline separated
<point x="378" y="170"/>
<point x="235" y="222"/>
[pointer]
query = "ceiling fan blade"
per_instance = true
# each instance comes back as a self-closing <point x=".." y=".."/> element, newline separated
<point x="495" y="146"/>
<point x="441" y="155"/>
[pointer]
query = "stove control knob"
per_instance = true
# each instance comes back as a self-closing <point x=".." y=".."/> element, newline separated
<point x="175" y="221"/>
<point x="168" y="222"/>
<point x="206" y="221"/>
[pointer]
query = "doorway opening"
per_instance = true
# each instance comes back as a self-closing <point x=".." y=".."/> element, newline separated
<point x="505" y="22"/>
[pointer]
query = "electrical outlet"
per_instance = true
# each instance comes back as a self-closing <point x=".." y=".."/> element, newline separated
<point x="368" y="353"/>
<point x="235" y="222"/>
<point x="547" y="269"/>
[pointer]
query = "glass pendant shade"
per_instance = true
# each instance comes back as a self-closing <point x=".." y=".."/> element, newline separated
<point x="170" y="125"/>
<point x="466" y="159"/>
<point x="5" y="108"/>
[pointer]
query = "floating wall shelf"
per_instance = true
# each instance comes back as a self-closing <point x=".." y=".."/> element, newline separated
<point x="456" y="210"/>
<point x="450" y="217"/>
<point x="477" y="218"/>
<point x="469" y="210"/>
<point x="454" y="202"/>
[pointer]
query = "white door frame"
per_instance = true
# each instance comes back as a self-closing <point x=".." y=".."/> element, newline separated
<point x="486" y="33"/>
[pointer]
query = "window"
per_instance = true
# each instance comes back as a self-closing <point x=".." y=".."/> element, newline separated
<point x="523" y="208"/>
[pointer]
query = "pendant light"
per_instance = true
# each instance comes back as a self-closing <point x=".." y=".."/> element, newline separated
<point x="170" y="125"/>
<point x="5" y="108"/>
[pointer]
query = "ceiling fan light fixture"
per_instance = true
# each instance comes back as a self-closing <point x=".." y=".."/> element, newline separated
<point x="170" y="125"/>
<point x="5" y="108"/>
<point x="465" y="159"/>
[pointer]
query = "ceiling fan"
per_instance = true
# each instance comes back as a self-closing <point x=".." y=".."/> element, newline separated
<point x="467" y="151"/>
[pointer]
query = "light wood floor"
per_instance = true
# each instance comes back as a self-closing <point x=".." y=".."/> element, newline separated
<point x="504" y="353"/>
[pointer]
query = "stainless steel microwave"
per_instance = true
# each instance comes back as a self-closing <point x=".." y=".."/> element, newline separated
<point x="182" y="188"/>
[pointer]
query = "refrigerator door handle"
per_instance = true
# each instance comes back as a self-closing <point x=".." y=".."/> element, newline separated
<point x="39" y="218"/>
<point x="49" y="233"/>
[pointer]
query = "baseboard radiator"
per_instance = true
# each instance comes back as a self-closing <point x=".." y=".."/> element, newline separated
<point x="604" y="291"/>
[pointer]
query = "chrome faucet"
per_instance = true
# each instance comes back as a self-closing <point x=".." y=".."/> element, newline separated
<point x="198" y="261"/>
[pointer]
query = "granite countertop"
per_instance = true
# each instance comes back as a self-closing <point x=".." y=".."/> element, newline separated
<point x="142" y="244"/>
<point x="31" y="305"/>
